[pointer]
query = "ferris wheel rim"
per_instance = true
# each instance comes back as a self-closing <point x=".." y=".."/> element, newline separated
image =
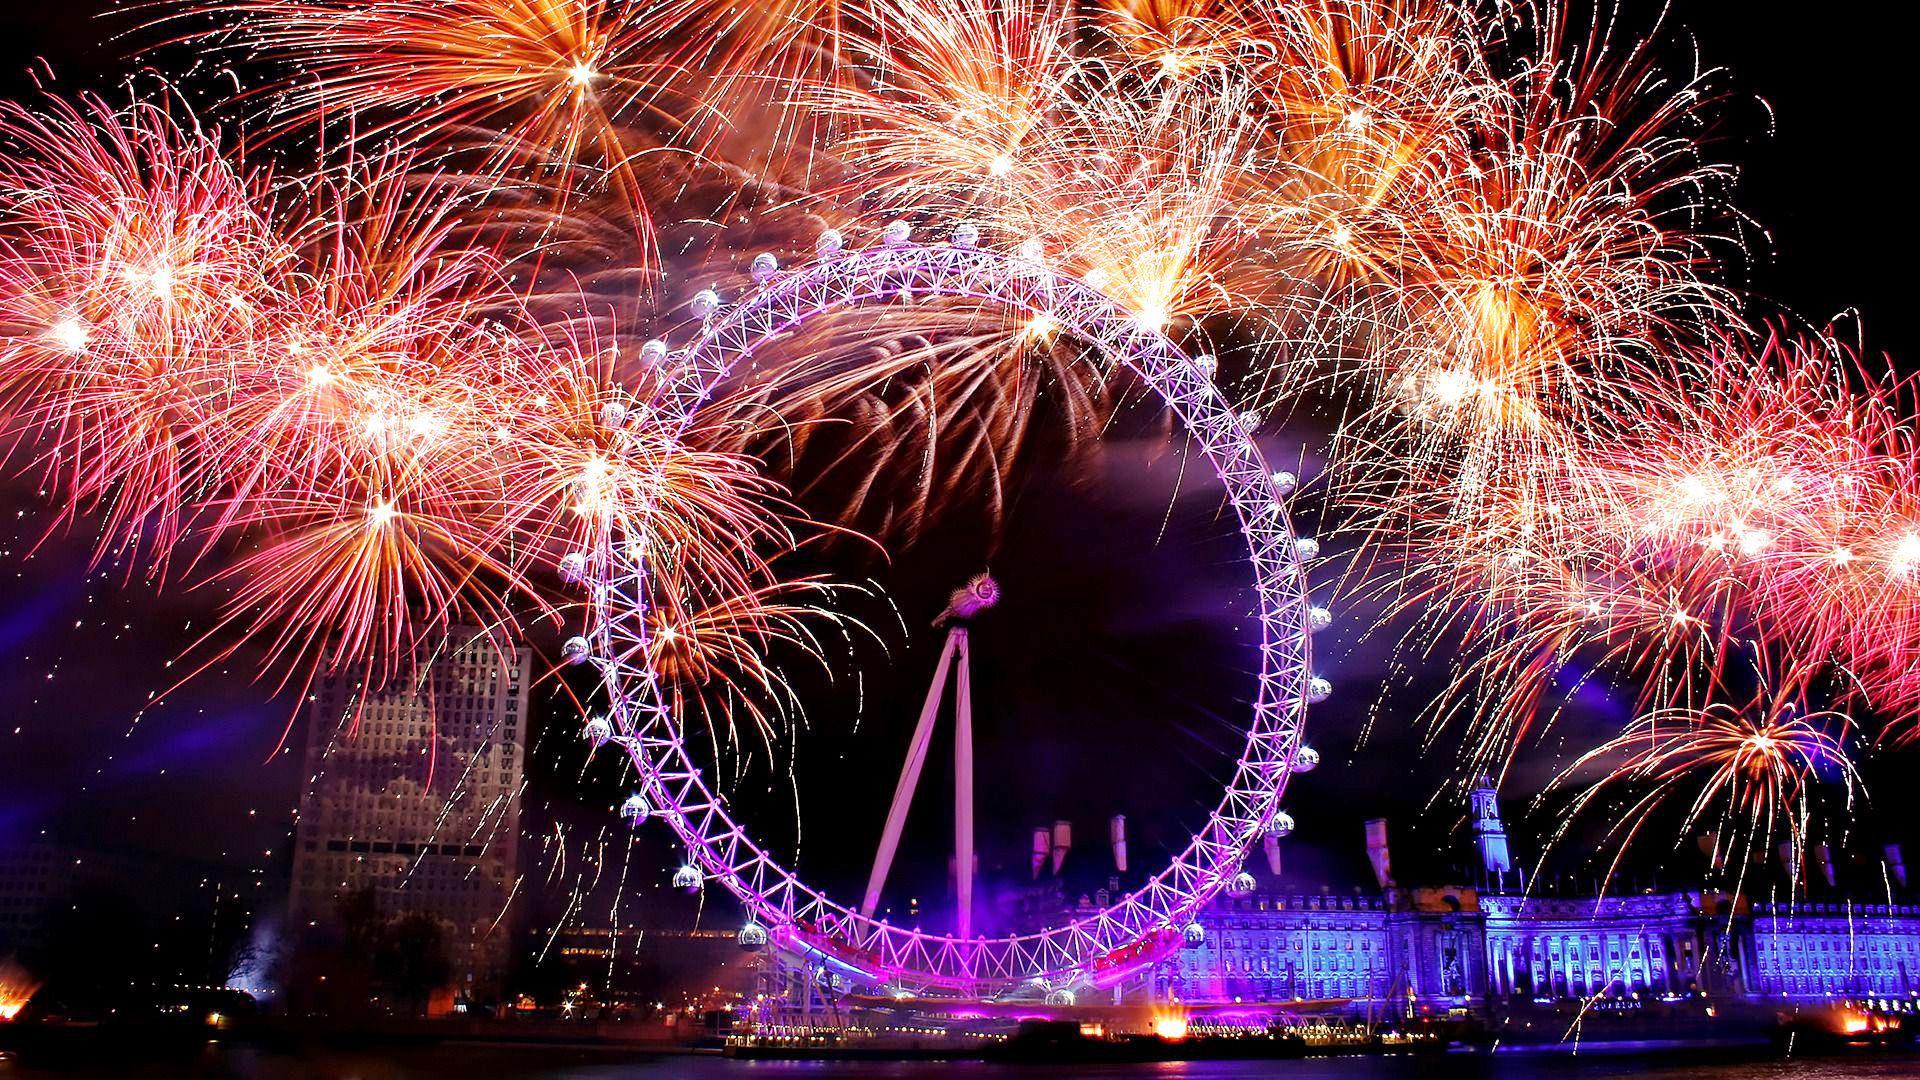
<point x="798" y="916"/>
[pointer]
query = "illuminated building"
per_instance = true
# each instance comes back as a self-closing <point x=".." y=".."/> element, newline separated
<point x="1460" y="947"/>
<point x="1276" y="947"/>
<point x="414" y="794"/>
<point x="1556" y="947"/>
<point x="1833" y="949"/>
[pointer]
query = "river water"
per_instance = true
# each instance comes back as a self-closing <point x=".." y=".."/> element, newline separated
<point x="470" y="1062"/>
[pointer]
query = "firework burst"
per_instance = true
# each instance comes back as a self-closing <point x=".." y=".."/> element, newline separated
<point x="399" y="389"/>
<point x="332" y="391"/>
<point x="534" y="86"/>
<point x="1743" y="773"/>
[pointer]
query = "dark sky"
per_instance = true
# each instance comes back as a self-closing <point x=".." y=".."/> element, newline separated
<point x="1825" y="171"/>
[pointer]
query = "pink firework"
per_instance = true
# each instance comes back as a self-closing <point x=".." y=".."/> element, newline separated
<point x="135" y="263"/>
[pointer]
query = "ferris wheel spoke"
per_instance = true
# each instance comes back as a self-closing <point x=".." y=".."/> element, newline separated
<point x="1090" y="947"/>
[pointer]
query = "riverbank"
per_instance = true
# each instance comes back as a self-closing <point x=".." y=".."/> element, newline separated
<point x="217" y="1060"/>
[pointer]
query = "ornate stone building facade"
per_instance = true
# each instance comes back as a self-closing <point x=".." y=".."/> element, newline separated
<point x="1832" y="949"/>
<point x="1575" y="948"/>
<point x="1424" y="944"/>
<point x="1461" y="947"/>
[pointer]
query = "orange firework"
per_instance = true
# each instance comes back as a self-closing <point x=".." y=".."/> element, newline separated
<point x="1521" y="264"/>
<point x="539" y="88"/>
<point x="724" y="657"/>
<point x="1744" y="773"/>
<point x="967" y="93"/>
<point x="582" y="466"/>
<point x="1025" y="123"/>
<point x="955" y="389"/>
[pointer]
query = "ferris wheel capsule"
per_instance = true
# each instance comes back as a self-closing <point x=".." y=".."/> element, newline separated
<point x="830" y="243"/>
<point x="687" y="878"/>
<point x="636" y="809"/>
<point x="1250" y="421"/>
<point x="896" y="234"/>
<point x="1318" y="619"/>
<point x="705" y="303"/>
<point x="1305" y="760"/>
<point x="1285" y="482"/>
<point x="613" y="414"/>
<point x="1059" y="998"/>
<point x="653" y="353"/>
<point x="1032" y="250"/>
<point x="1306" y="549"/>
<point x="752" y="936"/>
<point x="1207" y="363"/>
<point x="1193" y="935"/>
<point x="966" y="234"/>
<point x="1282" y="824"/>
<point x="598" y="731"/>
<point x="1318" y="690"/>
<point x="573" y="567"/>
<point x="765" y="266"/>
<point x="576" y="650"/>
<point x="1242" y="884"/>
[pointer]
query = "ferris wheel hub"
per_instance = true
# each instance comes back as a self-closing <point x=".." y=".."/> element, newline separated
<point x="977" y="595"/>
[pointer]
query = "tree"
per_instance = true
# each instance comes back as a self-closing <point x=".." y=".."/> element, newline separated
<point x="411" y="960"/>
<point x="364" y="953"/>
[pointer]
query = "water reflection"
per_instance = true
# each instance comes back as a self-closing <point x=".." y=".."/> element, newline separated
<point x="575" y="1063"/>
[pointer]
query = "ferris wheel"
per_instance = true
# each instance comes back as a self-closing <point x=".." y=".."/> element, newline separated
<point x="1095" y="949"/>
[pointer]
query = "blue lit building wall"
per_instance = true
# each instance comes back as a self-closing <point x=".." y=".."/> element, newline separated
<point x="1561" y="948"/>
<point x="1283" y="948"/>
<point x="1833" y="950"/>
<point x="1279" y="949"/>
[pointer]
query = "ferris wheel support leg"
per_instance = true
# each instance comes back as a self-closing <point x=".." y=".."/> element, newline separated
<point x="963" y="792"/>
<point x="909" y="779"/>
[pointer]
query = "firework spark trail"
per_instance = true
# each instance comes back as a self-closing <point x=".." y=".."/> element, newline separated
<point x="1148" y="187"/>
<point x="133" y="261"/>
<point x="1785" y="483"/>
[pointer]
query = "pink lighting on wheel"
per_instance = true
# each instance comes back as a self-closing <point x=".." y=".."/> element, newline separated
<point x="1136" y="927"/>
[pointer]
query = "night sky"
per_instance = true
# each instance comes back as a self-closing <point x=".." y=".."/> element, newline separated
<point x="1100" y="691"/>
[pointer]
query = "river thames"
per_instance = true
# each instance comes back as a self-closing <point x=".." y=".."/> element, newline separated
<point x="528" y="1063"/>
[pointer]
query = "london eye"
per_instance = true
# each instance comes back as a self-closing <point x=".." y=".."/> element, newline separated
<point x="1090" y="950"/>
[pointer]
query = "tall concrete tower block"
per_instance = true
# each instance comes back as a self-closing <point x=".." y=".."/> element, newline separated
<point x="1489" y="834"/>
<point x="414" y="794"/>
